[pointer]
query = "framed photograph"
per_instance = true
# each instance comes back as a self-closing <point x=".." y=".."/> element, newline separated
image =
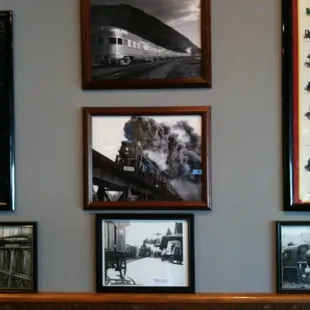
<point x="293" y="257"/>
<point x="131" y="44"/>
<point x="18" y="257"/>
<point x="296" y="107"/>
<point x="147" y="158"/>
<point x="7" y="154"/>
<point x="149" y="253"/>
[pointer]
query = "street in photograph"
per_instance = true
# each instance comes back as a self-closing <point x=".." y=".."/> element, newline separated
<point x="143" y="158"/>
<point x="138" y="39"/>
<point x="145" y="253"/>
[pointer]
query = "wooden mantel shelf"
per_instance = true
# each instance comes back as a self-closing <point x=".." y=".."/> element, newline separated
<point x="155" y="298"/>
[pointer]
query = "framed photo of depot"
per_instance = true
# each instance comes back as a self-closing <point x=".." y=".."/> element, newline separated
<point x="18" y="257"/>
<point x="131" y="44"/>
<point x="147" y="158"/>
<point x="293" y="257"/>
<point x="296" y="104"/>
<point x="162" y="245"/>
<point x="7" y="154"/>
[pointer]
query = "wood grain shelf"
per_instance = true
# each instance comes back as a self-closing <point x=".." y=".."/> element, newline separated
<point x="89" y="301"/>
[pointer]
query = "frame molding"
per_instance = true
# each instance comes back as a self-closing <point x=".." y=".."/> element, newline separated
<point x="204" y="204"/>
<point x="7" y="156"/>
<point x="204" y="81"/>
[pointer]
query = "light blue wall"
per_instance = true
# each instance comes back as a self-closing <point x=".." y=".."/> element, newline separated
<point x="235" y="242"/>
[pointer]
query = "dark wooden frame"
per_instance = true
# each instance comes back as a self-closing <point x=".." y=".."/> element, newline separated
<point x="204" y="81"/>
<point x="291" y="109"/>
<point x="145" y="289"/>
<point x="34" y="256"/>
<point x="7" y="154"/>
<point x="203" y="111"/>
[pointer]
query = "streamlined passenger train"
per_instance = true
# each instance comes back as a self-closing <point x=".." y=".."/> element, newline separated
<point x="111" y="45"/>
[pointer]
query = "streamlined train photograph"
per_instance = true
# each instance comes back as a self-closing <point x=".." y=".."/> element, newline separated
<point x="144" y="158"/>
<point x="138" y="39"/>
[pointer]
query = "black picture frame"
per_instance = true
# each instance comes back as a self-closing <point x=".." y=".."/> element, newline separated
<point x="293" y="257"/>
<point x="92" y="79"/>
<point x="19" y="257"/>
<point x="158" y="191"/>
<point x="7" y="154"/>
<point x="118" y="264"/>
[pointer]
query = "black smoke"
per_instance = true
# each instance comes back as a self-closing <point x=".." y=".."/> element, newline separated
<point x="179" y="144"/>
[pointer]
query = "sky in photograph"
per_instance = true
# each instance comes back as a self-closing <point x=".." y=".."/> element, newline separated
<point x="107" y="131"/>
<point x="138" y="231"/>
<point x="297" y="235"/>
<point x="182" y="15"/>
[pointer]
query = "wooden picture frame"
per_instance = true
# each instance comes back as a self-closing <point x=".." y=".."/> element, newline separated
<point x="162" y="245"/>
<point x="136" y="45"/>
<point x="18" y="257"/>
<point x="295" y="96"/>
<point x="147" y="158"/>
<point x="7" y="154"/>
<point x="293" y="257"/>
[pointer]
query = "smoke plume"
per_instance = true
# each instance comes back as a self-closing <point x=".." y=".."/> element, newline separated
<point x="176" y="149"/>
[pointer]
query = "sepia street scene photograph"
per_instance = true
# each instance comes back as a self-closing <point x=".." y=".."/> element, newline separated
<point x="16" y="258"/>
<point x="138" y="39"/>
<point x="145" y="253"/>
<point x="146" y="158"/>
<point x="295" y="264"/>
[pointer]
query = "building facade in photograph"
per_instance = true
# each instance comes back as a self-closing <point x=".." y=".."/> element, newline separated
<point x="16" y="258"/>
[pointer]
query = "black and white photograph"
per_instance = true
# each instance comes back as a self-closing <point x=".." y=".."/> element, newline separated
<point x="18" y="257"/>
<point x="154" y="40"/>
<point x="154" y="253"/>
<point x="147" y="158"/>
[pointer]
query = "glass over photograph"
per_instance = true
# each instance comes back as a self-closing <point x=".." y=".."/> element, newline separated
<point x="138" y="39"/>
<point x="145" y="253"/>
<point x="294" y="258"/>
<point x="147" y="158"/>
<point x="17" y="258"/>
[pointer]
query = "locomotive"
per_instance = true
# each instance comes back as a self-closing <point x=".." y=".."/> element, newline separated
<point x="296" y="263"/>
<point x="111" y="45"/>
<point x="132" y="159"/>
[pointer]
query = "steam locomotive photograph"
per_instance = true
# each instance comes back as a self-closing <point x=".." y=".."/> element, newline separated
<point x="143" y="252"/>
<point x="138" y="39"/>
<point x="18" y="257"/>
<point x="146" y="158"/>
<point x="294" y="257"/>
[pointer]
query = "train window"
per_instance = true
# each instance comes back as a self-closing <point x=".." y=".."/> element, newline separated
<point x="139" y="46"/>
<point x="129" y="43"/>
<point x="100" y="40"/>
<point x="125" y="42"/>
<point x="112" y="40"/>
<point x="119" y="41"/>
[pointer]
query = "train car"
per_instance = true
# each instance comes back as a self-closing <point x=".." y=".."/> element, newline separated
<point x="115" y="247"/>
<point x="296" y="263"/>
<point x="132" y="159"/>
<point x="111" y="45"/>
<point x="131" y="251"/>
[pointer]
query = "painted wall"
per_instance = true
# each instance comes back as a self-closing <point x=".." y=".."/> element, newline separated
<point x="235" y="242"/>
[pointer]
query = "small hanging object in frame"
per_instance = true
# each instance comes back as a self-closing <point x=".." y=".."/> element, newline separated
<point x="7" y="163"/>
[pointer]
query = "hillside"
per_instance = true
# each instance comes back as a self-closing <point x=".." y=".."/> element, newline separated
<point x="140" y="23"/>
